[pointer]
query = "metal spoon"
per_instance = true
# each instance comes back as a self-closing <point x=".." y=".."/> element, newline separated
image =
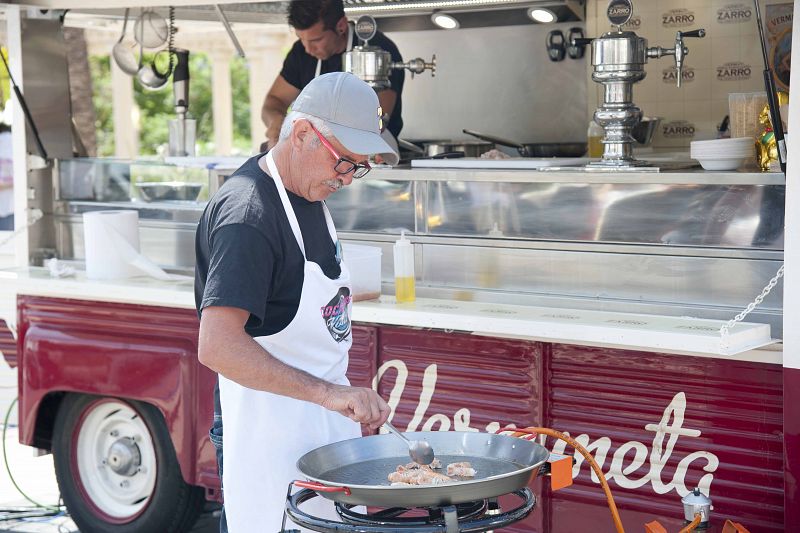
<point x="146" y="75"/>
<point x="123" y="55"/>
<point x="420" y="451"/>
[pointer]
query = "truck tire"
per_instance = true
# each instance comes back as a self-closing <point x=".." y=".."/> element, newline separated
<point x="117" y="469"/>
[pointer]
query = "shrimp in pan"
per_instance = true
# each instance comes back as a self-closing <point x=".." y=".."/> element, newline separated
<point x="462" y="469"/>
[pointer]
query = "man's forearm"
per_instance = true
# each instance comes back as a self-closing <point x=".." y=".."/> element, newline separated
<point x="272" y="114"/>
<point x="241" y="359"/>
<point x="226" y="348"/>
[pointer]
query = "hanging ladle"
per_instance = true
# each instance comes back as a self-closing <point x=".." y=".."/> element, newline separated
<point x="421" y="451"/>
<point x="123" y="55"/>
<point x="148" y="75"/>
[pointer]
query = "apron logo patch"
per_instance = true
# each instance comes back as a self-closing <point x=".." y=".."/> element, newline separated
<point x="336" y="315"/>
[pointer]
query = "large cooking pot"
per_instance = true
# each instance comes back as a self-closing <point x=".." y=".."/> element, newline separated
<point x="470" y="148"/>
<point x="576" y="149"/>
<point x="355" y="471"/>
<point x="437" y="148"/>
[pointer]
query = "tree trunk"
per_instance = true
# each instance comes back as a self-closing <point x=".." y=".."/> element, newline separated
<point x="80" y="85"/>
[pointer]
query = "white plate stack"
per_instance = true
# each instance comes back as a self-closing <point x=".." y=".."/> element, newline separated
<point x="723" y="154"/>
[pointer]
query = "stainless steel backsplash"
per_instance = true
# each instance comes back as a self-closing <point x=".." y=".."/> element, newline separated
<point x="494" y="80"/>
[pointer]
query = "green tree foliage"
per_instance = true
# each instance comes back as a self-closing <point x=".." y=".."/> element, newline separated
<point x="5" y="83"/>
<point x="100" y="68"/>
<point x="156" y="107"/>
<point x="240" y="80"/>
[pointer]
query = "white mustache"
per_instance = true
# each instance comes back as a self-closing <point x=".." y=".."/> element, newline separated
<point x="334" y="184"/>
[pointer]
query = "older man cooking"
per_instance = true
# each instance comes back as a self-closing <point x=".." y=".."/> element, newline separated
<point x="273" y="292"/>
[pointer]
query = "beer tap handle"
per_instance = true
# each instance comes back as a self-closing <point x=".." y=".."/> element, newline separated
<point x="693" y="33"/>
<point x="576" y="43"/>
<point x="417" y="66"/>
<point x="681" y="51"/>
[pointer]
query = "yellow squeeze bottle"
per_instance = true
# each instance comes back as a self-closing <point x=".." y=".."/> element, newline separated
<point x="404" y="288"/>
<point x="595" y="138"/>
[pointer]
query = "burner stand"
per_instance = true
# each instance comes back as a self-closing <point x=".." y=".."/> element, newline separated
<point x="471" y="517"/>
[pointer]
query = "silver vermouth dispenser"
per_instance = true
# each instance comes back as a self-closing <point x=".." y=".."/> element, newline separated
<point x="618" y="59"/>
<point x="373" y="64"/>
<point x="182" y="130"/>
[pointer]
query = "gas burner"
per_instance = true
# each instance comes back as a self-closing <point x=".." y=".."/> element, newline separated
<point x="471" y="517"/>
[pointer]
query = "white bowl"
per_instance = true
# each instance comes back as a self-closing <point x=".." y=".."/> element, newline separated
<point x="724" y="142"/>
<point x="721" y="154"/>
<point x="726" y="163"/>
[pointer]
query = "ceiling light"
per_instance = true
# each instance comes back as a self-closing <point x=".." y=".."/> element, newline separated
<point x="538" y="14"/>
<point x="445" y="21"/>
<point x="412" y="5"/>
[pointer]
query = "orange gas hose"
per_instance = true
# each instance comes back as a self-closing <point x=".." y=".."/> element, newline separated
<point x="586" y="455"/>
<point x="691" y="527"/>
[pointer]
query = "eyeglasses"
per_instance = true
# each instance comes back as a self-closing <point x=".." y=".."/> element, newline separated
<point x="343" y="165"/>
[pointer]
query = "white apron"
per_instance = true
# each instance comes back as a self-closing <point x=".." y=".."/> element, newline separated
<point x="265" y="433"/>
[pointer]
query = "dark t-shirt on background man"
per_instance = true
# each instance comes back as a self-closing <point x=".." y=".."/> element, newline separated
<point x="299" y="69"/>
<point x="247" y="255"/>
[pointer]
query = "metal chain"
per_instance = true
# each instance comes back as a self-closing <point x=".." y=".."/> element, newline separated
<point x="13" y="235"/>
<point x="34" y="216"/>
<point x="723" y="331"/>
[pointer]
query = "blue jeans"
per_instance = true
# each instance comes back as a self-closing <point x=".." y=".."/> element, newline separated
<point x="215" y="433"/>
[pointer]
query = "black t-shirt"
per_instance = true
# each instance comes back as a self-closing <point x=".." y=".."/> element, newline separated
<point x="299" y="69"/>
<point x="247" y="255"/>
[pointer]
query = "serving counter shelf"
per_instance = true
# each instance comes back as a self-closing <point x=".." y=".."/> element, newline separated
<point x="680" y="335"/>
<point x="574" y="175"/>
<point x="682" y="243"/>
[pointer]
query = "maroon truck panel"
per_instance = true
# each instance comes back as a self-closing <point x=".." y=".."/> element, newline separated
<point x="664" y="424"/>
<point x="142" y="353"/>
<point x="8" y="345"/>
<point x="125" y="351"/>
<point x="791" y="448"/>
<point x="363" y="359"/>
<point x="461" y="382"/>
<point x="658" y="424"/>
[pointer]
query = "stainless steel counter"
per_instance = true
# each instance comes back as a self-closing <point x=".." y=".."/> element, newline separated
<point x="671" y="243"/>
<point x="571" y="175"/>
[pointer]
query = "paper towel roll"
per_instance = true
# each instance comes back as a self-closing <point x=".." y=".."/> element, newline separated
<point x="102" y="233"/>
<point x="111" y="241"/>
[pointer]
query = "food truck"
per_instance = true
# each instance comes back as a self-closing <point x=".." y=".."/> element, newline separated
<point x="601" y="297"/>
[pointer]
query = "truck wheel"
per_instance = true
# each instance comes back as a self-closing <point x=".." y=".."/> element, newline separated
<point x="117" y="469"/>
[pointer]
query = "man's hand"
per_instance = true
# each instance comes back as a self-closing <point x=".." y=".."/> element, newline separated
<point x="357" y="403"/>
<point x="273" y="110"/>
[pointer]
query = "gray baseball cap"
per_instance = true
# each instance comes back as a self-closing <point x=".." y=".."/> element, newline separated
<point x="350" y="107"/>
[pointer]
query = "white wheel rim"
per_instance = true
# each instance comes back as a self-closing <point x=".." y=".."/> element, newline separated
<point x="119" y="488"/>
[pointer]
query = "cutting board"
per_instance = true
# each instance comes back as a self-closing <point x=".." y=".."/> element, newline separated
<point x="520" y="163"/>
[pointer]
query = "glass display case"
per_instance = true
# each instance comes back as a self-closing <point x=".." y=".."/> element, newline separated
<point x="169" y="197"/>
<point x="116" y="180"/>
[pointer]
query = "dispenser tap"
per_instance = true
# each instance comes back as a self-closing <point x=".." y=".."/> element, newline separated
<point x="679" y="51"/>
<point x="373" y="64"/>
<point x="417" y="66"/>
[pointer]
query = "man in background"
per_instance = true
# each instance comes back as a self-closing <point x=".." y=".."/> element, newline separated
<point x="323" y="36"/>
